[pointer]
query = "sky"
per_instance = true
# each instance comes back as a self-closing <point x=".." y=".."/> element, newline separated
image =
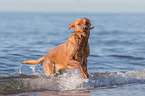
<point x="92" y="6"/>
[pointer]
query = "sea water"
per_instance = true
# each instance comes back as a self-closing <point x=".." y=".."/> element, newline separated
<point x="116" y="64"/>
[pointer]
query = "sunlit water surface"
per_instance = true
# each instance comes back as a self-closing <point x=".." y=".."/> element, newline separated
<point x="115" y="65"/>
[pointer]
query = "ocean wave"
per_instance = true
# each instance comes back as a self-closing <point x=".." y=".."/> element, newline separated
<point x="67" y="81"/>
<point x="128" y="57"/>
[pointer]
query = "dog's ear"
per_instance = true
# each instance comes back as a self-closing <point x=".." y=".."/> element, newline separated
<point x="71" y="25"/>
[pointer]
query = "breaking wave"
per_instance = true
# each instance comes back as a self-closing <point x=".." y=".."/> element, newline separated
<point x="67" y="81"/>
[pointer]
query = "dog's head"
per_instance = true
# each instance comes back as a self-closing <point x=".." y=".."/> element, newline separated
<point x="81" y="27"/>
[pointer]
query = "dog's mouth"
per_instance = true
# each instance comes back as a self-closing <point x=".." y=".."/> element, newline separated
<point x="83" y="33"/>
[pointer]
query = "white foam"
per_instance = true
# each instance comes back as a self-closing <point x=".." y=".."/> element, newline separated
<point x="137" y="74"/>
<point x="118" y="78"/>
<point x="69" y="81"/>
<point x="33" y="68"/>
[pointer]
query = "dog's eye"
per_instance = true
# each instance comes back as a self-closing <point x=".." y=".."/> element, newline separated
<point x="87" y="23"/>
<point x="79" y="24"/>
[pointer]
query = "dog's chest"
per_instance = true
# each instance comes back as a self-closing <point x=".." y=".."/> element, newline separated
<point x="81" y="51"/>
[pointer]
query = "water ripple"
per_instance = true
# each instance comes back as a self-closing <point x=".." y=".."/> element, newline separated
<point x="128" y="57"/>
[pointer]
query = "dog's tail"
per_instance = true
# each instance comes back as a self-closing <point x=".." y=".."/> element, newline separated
<point x="34" y="62"/>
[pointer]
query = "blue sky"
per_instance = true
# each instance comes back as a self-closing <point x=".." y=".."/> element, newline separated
<point x="97" y="6"/>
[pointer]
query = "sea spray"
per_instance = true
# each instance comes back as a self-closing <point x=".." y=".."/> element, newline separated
<point x="27" y="69"/>
<point x="33" y="68"/>
<point x="116" y="78"/>
<point x="19" y="70"/>
<point x="138" y="74"/>
<point x="70" y="81"/>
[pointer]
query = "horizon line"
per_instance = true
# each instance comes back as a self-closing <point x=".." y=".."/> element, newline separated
<point x="71" y="12"/>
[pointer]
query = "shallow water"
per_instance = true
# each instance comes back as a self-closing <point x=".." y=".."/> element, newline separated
<point x="115" y="65"/>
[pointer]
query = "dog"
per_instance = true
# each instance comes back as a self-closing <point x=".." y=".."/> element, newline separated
<point x="70" y="55"/>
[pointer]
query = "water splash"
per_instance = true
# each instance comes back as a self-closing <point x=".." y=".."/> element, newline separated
<point x="19" y="70"/>
<point x="68" y="81"/>
<point x="33" y="68"/>
<point x="27" y="69"/>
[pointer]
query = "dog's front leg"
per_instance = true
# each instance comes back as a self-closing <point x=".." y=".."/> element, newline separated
<point x="74" y="63"/>
<point x="85" y="64"/>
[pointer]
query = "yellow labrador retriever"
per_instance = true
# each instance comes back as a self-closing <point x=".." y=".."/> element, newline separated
<point x="70" y="55"/>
